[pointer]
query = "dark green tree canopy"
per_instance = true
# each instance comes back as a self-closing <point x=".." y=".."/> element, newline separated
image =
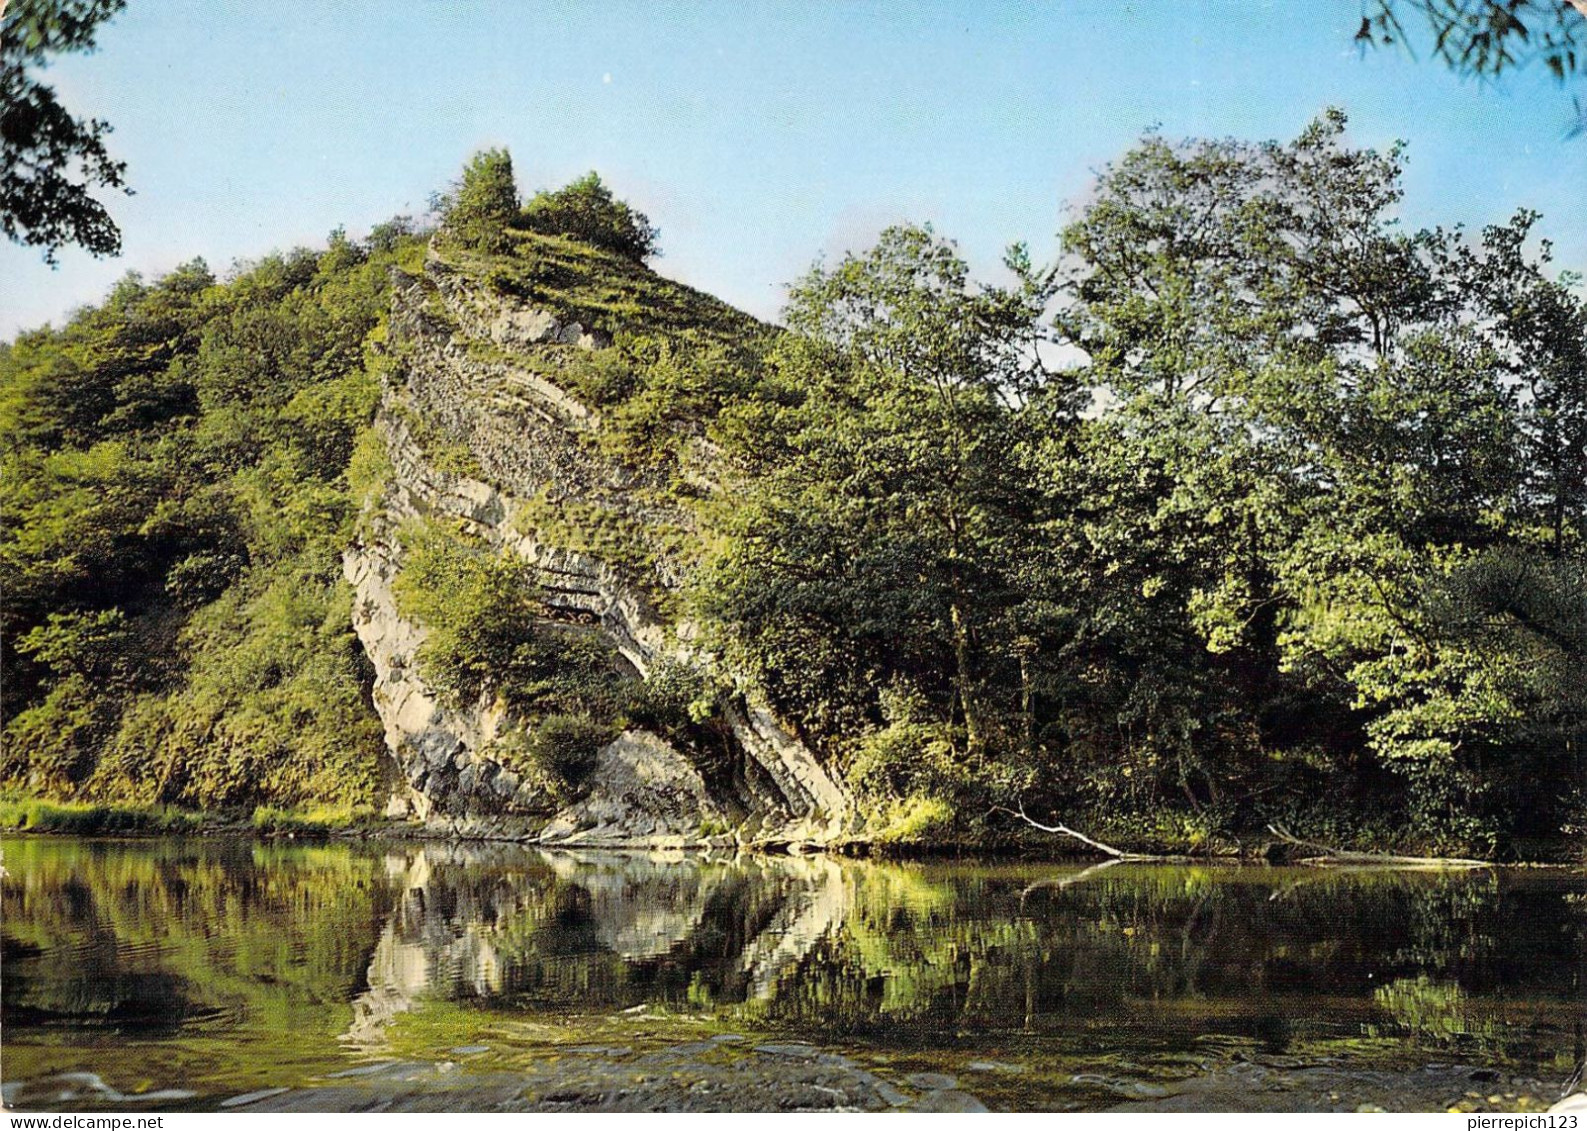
<point x="52" y="160"/>
<point x="586" y="210"/>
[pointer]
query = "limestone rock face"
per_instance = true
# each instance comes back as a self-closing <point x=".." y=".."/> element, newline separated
<point x="522" y="432"/>
<point x="509" y="324"/>
<point x="641" y="787"/>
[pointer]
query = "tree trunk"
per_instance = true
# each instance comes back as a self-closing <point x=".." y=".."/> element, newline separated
<point x="961" y="656"/>
<point x="1027" y="708"/>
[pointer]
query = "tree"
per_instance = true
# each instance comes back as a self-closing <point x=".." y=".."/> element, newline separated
<point x="175" y="461"/>
<point x="51" y="160"/>
<point x="1486" y="39"/>
<point x="476" y="210"/>
<point x="1223" y="293"/>
<point x="1319" y="429"/>
<point x="874" y="543"/>
<point x="586" y="210"/>
<point x="1538" y="328"/>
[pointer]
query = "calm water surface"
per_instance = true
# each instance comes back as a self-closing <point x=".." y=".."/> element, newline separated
<point x="220" y="966"/>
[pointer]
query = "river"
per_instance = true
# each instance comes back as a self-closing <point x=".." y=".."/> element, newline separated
<point x="276" y="975"/>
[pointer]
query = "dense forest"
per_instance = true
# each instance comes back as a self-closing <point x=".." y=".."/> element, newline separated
<point x="1250" y="507"/>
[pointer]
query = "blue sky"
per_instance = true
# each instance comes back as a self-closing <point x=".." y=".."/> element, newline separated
<point x="755" y="134"/>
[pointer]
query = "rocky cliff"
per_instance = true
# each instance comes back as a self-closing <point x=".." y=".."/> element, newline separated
<point x="481" y="435"/>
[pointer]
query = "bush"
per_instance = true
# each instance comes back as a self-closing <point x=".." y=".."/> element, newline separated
<point x="674" y="698"/>
<point x="479" y="606"/>
<point x="562" y="749"/>
<point x="914" y="820"/>
<point x="482" y="610"/>
<point x="480" y="205"/>
<point x="905" y="759"/>
<point x="586" y="211"/>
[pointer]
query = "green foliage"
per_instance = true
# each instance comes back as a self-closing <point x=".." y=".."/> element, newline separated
<point x="660" y="393"/>
<point x="309" y="822"/>
<point x="480" y="608"/>
<point x="368" y="468"/>
<point x="586" y="211"/>
<point x="580" y="282"/>
<point x="1321" y="528"/>
<point x="176" y="629"/>
<point x="911" y="756"/>
<point x="913" y="821"/>
<point x="486" y="638"/>
<point x="1301" y="517"/>
<point x="481" y="203"/>
<point x="611" y="533"/>
<point x="671" y="698"/>
<point x="681" y="702"/>
<point x="871" y="533"/>
<point x="561" y="751"/>
<point x="91" y="645"/>
<point x="36" y="815"/>
<point x="42" y="146"/>
<point x="275" y="705"/>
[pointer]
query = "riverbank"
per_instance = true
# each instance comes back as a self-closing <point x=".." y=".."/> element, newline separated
<point x="81" y="818"/>
<point x="1148" y="837"/>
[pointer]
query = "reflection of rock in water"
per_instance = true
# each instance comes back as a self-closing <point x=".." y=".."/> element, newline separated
<point x="819" y="899"/>
<point x="476" y="921"/>
<point x="398" y="971"/>
<point x="640" y="906"/>
<point x="438" y="936"/>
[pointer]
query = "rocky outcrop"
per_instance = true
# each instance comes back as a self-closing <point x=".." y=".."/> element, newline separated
<point x="527" y="446"/>
<point x="640" y="788"/>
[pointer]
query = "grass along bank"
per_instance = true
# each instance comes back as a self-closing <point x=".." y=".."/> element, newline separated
<point x="81" y="818"/>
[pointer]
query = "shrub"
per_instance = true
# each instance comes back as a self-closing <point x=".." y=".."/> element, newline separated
<point x="479" y="206"/>
<point x="913" y="820"/>
<point x="479" y="606"/>
<point x="903" y="759"/>
<point x="482" y="609"/>
<point x="82" y="819"/>
<point x="674" y="697"/>
<point x="586" y="210"/>
<point x="561" y="751"/>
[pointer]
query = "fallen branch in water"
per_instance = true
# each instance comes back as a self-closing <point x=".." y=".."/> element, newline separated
<point x="1330" y="855"/>
<point x="1065" y="830"/>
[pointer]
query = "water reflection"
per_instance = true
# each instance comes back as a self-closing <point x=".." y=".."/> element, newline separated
<point x="239" y="963"/>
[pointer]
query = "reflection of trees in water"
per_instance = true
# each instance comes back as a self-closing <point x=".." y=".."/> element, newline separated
<point x="285" y="936"/>
<point x="833" y="946"/>
<point x="144" y="937"/>
<point x="1437" y="1011"/>
<point x="1146" y="949"/>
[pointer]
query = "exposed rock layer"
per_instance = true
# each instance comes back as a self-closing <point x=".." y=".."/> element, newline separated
<point x="522" y="431"/>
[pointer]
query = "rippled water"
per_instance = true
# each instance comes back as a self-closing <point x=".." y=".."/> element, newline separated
<point x="217" y="966"/>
